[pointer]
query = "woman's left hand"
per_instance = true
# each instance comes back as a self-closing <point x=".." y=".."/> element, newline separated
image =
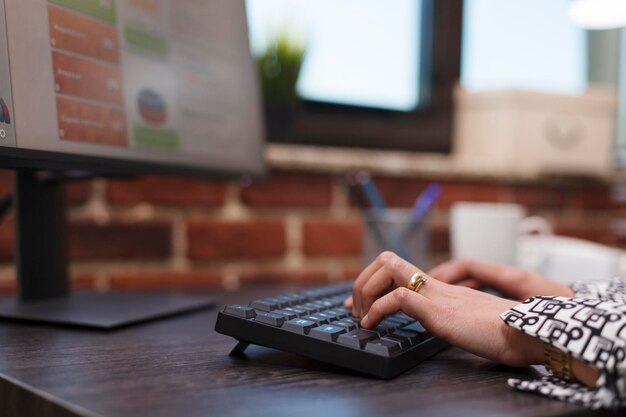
<point x="462" y="316"/>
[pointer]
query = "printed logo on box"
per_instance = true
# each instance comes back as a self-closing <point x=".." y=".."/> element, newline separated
<point x="5" y="117"/>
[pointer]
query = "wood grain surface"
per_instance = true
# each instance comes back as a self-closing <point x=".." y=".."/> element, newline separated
<point x="180" y="367"/>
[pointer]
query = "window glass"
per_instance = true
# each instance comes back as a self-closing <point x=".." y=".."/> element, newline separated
<point x="358" y="52"/>
<point x="529" y="44"/>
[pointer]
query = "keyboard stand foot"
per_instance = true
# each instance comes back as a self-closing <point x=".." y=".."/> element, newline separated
<point x="239" y="349"/>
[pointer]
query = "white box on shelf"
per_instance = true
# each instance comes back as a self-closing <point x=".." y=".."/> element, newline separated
<point x="536" y="133"/>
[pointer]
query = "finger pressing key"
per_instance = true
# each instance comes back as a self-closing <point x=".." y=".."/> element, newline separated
<point x="400" y="299"/>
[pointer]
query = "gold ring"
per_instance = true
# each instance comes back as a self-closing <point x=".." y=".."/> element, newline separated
<point x="416" y="282"/>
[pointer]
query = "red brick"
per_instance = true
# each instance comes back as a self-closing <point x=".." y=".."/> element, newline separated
<point x="455" y="191"/>
<point x="117" y="240"/>
<point x="210" y="239"/>
<point x="289" y="189"/>
<point x="7" y="287"/>
<point x="165" y="280"/>
<point x="120" y="240"/>
<point x="167" y="191"/>
<point x="590" y="197"/>
<point x="77" y="192"/>
<point x="277" y="276"/>
<point x="539" y="197"/>
<point x="332" y="237"/>
<point x="83" y="281"/>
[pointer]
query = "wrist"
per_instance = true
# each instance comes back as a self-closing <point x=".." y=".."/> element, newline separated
<point x="584" y="373"/>
<point x="531" y="347"/>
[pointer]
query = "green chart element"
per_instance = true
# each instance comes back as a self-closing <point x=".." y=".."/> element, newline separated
<point x="101" y="9"/>
<point x="146" y="41"/>
<point x="153" y="138"/>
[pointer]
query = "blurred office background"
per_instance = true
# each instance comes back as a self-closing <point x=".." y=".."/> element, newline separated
<point x="379" y="86"/>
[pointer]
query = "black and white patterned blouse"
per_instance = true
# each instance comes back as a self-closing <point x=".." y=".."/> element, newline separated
<point x="591" y="327"/>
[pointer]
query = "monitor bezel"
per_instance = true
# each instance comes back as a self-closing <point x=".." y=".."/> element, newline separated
<point x="30" y="159"/>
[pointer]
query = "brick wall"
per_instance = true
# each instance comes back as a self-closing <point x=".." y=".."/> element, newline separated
<point x="162" y="232"/>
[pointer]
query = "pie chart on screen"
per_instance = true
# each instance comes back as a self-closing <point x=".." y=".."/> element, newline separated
<point x="152" y="107"/>
<point x="5" y="117"/>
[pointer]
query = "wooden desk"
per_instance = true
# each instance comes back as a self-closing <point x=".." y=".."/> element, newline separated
<point x="180" y="367"/>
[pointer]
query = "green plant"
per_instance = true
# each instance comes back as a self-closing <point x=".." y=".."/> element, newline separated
<point x="279" y="66"/>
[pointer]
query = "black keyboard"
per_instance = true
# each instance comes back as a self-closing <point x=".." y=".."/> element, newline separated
<point x="314" y="323"/>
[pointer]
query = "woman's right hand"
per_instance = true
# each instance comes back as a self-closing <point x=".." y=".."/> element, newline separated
<point x="509" y="281"/>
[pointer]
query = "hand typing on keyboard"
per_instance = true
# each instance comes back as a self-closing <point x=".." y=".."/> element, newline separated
<point x="462" y="316"/>
<point x="385" y="328"/>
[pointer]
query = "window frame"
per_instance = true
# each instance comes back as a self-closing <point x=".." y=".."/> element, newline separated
<point x="428" y="128"/>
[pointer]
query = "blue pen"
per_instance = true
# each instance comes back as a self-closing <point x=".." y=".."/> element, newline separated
<point x="424" y="202"/>
<point x="422" y="206"/>
<point x="379" y="210"/>
<point x="372" y="193"/>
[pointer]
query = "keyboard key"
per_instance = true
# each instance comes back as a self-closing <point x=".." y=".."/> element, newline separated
<point x="336" y="312"/>
<point x="413" y="337"/>
<point x="327" y="332"/>
<point x="312" y="308"/>
<point x="381" y="330"/>
<point x="287" y="314"/>
<point x="418" y="328"/>
<point x="382" y="347"/>
<point x="314" y="293"/>
<point x="272" y="319"/>
<point x="327" y="314"/>
<point x="267" y="304"/>
<point x="300" y="326"/>
<point x="339" y="310"/>
<point x="402" y="319"/>
<point x="282" y="301"/>
<point x="389" y="324"/>
<point x="246" y="312"/>
<point x="297" y="310"/>
<point x="316" y="318"/>
<point x="348" y="325"/>
<point x="324" y="304"/>
<point x="357" y="338"/>
<point x="402" y="341"/>
<point x="297" y="299"/>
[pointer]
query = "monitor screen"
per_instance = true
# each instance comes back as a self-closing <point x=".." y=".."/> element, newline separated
<point x="163" y="83"/>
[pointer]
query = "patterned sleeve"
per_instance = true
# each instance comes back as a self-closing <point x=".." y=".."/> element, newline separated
<point x="611" y="290"/>
<point x="590" y="329"/>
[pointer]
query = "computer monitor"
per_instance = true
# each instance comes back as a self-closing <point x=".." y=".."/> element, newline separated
<point x="116" y="87"/>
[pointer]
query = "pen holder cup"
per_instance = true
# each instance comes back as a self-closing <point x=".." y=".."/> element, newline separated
<point x="395" y="232"/>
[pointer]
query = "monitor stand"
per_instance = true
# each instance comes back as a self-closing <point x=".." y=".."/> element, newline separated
<point x="43" y="290"/>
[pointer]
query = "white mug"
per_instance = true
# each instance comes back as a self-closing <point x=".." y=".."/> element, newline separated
<point x="487" y="231"/>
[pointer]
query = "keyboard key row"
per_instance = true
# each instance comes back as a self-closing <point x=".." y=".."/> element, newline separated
<point x="278" y="317"/>
<point x="320" y="298"/>
<point x="276" y="303"/>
